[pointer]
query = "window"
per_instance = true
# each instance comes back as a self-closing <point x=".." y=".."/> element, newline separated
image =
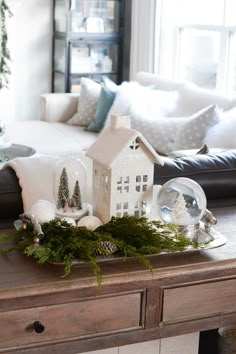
<point x="122" y="209"/>
<point x="123" y="184"/>
<point x="196" y="41"/>
<point x="140" y="208"/>
<point x="135" y="144"/>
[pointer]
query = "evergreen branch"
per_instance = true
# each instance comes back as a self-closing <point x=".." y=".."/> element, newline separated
<point x="4" y="51"/>
<point x="127" y="236"/>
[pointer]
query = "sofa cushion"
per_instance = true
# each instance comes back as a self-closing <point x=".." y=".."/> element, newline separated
<point x="169" y="134"/>
<point x="215" y="172"/>
<point x="160" y="82"/>
<point x="191" y="98"/>
<point x="10" y="198"/>
<point x="50" y="138"/>
<point x="105" y="101"/>
<point x="222" y="135"/>
<point x="191" y="133"/>
<point x="87" y="103"/>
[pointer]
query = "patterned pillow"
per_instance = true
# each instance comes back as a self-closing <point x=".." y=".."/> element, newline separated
<point x="175" y="133"/>
<point x="160" y="132"/>
<point x="192" y="133"/>
<point x="87" y="104"/>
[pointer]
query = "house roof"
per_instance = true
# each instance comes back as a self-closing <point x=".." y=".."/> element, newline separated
<point x="115" y="139"/>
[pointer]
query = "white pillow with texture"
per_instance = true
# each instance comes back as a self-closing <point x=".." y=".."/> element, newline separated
<point x="193" y="98"/>
<point x="87" y="104"/>
<point x="222" y="135"/>
<point x="145" y="100"/>
<point x="191" y="134"/>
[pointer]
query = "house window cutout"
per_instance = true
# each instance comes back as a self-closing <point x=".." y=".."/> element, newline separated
<point x="119" y="189"/>
<point x="145" y="178"/>
<point x="140" y="208"/>
<point x="119" y="181"/>
<point x="122" y="209"/>
<point x="144" y="187"/>
<point x="135" y="145"/>
<point x="126" y="179"/>
<point x="138" y="189"/>
<point x="126" y="205"/>
<point x="118" y="206"/>
<point x="138" y="179"/>
<point x="123" y="184"/>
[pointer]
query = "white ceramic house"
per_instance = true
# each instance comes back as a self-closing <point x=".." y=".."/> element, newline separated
<point x="123" y="167"/>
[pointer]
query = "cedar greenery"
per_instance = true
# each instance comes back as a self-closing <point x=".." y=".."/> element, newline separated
<point x="132" y="236"/>
<point x="4" y="52"/>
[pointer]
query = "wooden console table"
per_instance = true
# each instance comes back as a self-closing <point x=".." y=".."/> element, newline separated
<point x="40" y="312"/>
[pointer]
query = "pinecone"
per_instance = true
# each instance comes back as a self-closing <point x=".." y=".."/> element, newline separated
<point x="105" y="248"/>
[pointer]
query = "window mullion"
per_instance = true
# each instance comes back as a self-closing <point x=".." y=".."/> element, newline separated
<point x="221" y="82"/>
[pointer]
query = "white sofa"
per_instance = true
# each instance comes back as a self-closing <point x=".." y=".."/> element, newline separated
<point x="174" y="100"/>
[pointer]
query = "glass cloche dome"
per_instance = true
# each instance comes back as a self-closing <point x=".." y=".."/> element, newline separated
<point x="70" y="187"/>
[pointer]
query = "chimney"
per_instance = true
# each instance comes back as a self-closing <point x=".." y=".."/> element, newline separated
<point x="119" y="122"/>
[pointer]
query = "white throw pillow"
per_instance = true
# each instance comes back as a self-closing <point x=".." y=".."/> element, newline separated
<point x="121" y="102"/>
<point x="192" y="98"/>
<point x="191" y="134"/>
<point x="145" y="100"/>
<point x="222" y="135"/>
<point x="87" y="104"/>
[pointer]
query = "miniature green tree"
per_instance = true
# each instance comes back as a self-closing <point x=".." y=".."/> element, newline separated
<point x="63" y="190"/>
<point x="76" y="197"/>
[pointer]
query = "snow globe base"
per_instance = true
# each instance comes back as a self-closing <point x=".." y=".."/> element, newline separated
<point x="190" y="231"/>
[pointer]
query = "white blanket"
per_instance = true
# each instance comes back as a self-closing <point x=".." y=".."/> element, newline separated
<point x="36" y="177"/>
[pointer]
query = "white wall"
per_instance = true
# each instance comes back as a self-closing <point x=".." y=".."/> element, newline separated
<point x="30" y="45"/>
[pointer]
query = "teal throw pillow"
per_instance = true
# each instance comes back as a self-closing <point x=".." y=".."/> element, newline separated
<point x="105" y="101"/>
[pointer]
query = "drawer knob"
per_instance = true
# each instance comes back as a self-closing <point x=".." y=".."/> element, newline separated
<point x="38" y="327"/>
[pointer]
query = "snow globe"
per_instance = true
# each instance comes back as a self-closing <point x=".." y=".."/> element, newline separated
<point x="182" y="201"/>
<point x="70" y="188"/>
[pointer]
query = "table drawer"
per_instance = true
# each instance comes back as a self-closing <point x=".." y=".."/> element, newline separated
<point x="72" y="320"/>
<point x="200" y="300"/>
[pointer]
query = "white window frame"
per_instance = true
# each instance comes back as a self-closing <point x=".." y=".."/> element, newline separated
<point x="223" y="81"/>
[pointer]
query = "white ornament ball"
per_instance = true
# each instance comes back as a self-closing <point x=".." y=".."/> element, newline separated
<point x="70" y="221"/>
<point x="43" y="211"/>
<point x="90" y="222"/>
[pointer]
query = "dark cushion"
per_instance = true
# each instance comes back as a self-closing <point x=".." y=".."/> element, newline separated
<point x="216" y="173"/>
<point x="10" y="198"/>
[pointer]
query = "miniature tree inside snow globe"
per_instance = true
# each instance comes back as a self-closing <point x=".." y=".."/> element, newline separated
<point x="70" y="188"/>
<point x="182" y="201"/>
